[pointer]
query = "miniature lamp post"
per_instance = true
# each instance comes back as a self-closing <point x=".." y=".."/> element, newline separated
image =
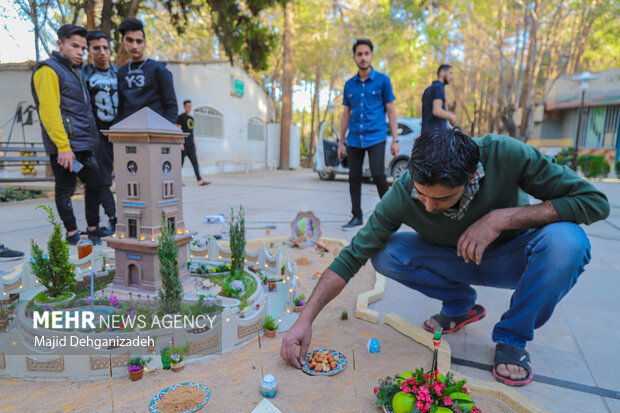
<point x="583" y="80"/>
<point x="436" y="344"/>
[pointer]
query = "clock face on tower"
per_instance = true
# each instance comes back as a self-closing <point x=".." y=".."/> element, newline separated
<point x="166" y="167"/>
<point x="132" y="167"/>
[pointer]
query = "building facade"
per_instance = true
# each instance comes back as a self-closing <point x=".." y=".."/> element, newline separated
<point x="556" y="121"/>
<point x="235" y="117"/>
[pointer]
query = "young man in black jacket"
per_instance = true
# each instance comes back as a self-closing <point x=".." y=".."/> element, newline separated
<point x="68" y="129"/>
<point x="185" y="121"/>
<point x="143" y="81"/>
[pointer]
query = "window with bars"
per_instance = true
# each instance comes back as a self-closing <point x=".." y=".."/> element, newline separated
<point x="133" y="190"/>
<point x="168" y="189"/>
<point x="208" y="123"/>
<point x="132" y="228"/>
<point x="256" y="130"/>
<point x="599" y="126"/>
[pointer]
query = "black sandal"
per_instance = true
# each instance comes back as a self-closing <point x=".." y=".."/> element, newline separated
<point x="507" y="354"/>
<point x="475" y="314"/>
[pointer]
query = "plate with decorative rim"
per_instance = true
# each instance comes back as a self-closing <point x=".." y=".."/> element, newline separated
<point x="340" y="364"/>
<point x="153" y="407"/>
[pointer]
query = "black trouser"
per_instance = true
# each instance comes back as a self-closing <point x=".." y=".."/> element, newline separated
<point x="376" y="159"/>
<point x="65" y="188"/>
<point x="105" y="159"/>
<point x="190" y="151"/>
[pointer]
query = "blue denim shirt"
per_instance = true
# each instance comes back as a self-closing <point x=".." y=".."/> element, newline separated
<point x="367" y="99"/>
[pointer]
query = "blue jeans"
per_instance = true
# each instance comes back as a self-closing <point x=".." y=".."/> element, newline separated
<point x="541" y="266"/>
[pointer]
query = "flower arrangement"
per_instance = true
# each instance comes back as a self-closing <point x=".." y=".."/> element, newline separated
<point x="136" y="367"/>
<point x="209" y="301"/>
<point x="299" y="301"/>
<point x="420" y="392"/>
<point x="176" y="358"/>
<point x="114" y="301"/>
<point x="83" y="301"/>
<point x="237" y="287"/>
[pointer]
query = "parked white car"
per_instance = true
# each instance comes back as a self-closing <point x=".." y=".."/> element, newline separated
<point x="327" y="164"/>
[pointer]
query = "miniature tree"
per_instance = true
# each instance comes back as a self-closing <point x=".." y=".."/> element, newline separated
<point x="237" y="242"/>
<point x="54" y="270"/>
<point x="171" y="293"/>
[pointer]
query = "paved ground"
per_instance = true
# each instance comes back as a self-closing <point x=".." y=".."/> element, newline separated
<point x="574" y="354"/>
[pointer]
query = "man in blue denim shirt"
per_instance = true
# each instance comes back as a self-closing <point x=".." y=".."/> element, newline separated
<point x="367" y="97"/>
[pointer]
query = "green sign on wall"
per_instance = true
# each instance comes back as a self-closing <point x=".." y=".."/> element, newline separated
<point x="238" y="87"/>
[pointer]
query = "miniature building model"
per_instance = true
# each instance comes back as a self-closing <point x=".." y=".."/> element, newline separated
<point x="147" y="166"/>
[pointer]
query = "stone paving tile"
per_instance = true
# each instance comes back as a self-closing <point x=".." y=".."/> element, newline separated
<point x="602" y="357"/>
<point x="555" y="399"/>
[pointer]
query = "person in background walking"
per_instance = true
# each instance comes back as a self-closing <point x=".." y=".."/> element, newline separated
<point x="367" y="97"/>
<point x="185" y="121"/>
<point x="434" y="113"/>
<point x="68" y="129"/>
<point x="100" y="79"/>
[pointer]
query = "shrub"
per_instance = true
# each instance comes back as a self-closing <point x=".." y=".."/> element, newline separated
<point x="618" y="169"/>
<point x="171" y="293"/>
<point x="566" y="157"/>
<point x="270" y="324"/>
<point x="11" y="193"/>
<point x="53" y="269"/>
<point x="593" y="166"/>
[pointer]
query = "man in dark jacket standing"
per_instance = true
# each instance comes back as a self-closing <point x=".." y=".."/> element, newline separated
<point x="68" y="129"/>
<point x="434" y="113"/>
<point x="143" y="81"/>
<point x="185" y="121"/>
<point x="101" y="81"/>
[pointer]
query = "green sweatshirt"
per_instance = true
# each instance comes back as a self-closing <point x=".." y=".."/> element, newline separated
<point x="512" y="169"/>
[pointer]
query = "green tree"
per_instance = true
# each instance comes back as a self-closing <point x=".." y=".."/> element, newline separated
<point x="171" y="292"/>
<point x="237" y="242"/>
<point x="54" y="270"/>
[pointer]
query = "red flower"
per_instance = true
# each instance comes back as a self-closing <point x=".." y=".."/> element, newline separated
<point x="376" y="389"/>
<point x="464" y="389"/>
<point x="447" y="401"/>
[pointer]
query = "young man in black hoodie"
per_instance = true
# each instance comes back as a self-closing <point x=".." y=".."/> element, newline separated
<point x="185" y="122"/>
<point x="143" y="81"/>
<point x="101" y="81"/>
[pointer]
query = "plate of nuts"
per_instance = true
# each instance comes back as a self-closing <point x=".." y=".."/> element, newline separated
<point x="324" y="363"/>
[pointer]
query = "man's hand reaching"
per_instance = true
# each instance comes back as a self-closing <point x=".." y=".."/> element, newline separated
<point x="299" y="335"/>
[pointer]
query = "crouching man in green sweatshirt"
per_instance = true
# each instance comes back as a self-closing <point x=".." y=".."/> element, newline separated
<point x="467" y="201"/>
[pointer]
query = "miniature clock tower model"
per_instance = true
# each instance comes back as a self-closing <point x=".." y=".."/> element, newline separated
<point x="147" y="168"/>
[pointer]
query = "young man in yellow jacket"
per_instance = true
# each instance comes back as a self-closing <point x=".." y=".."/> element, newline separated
<point x="68" y="129"/>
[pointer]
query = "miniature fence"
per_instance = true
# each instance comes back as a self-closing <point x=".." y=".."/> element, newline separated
<point x="21" y="278"/>
<point x="262" y="259"/>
